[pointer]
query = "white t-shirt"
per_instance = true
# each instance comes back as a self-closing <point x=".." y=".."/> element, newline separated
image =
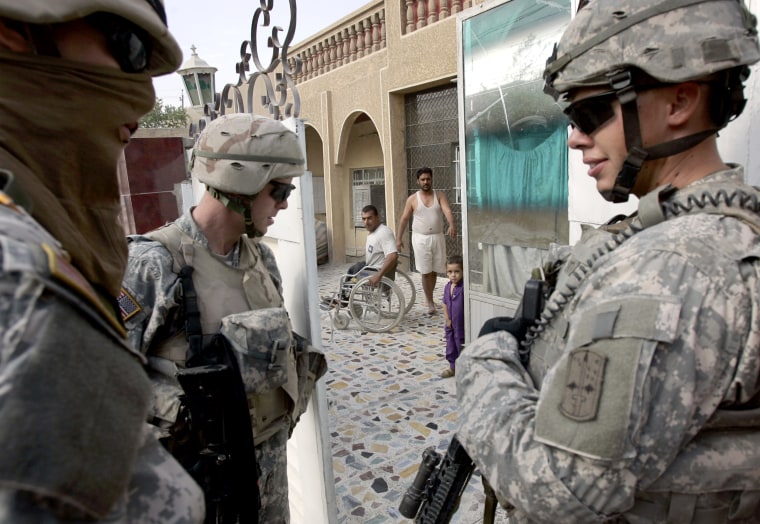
<point x="380" y="242"/>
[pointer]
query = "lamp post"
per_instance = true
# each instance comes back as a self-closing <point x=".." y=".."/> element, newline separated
<point x="199" y="81"/>
<point x="198" y="78"/>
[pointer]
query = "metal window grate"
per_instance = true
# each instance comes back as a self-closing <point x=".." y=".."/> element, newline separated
<point x="368" y="187"/>
<point x="432" y="136"/>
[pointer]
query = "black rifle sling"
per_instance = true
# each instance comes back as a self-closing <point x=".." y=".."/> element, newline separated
<point x="238" y="431"/>
<point x="192" y="315"/>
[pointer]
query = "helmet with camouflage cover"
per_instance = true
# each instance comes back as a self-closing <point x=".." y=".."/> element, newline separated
<point x="631" y="45"/>
<point x="669" y="41"/>
<point x="241" y="153"/>
<point x="147" y="15"/>
<point x="237" y="155"/>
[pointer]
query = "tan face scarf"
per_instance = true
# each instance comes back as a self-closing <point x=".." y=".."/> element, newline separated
<point x="59" y="134"/>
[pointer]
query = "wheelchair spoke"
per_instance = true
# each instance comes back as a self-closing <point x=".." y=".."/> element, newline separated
<point x="379" y="308"/>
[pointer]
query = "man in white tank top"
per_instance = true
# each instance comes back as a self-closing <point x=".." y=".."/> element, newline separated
<point x="428" y="242"/>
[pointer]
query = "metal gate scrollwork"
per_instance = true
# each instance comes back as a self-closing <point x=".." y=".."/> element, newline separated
<point x="278" y="85"/>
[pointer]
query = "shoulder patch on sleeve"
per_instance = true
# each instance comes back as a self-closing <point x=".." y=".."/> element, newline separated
<point x="587" y="397"/>
<point x="583" y="385"/>
<point x="128" y="306"/>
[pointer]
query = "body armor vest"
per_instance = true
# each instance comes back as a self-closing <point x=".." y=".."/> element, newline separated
<point x="224" y="291"/>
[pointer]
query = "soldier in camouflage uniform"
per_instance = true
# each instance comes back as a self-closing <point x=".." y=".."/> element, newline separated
<point x="75" y="76"/>
<point x="637" y="403"/>
<point x="247" y="164"/>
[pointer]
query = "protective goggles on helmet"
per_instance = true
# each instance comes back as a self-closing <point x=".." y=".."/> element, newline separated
<point x="280" y="191"/>
<point x="589" y="114"/>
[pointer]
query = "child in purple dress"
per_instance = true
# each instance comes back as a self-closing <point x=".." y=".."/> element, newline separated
<point x="453" y="311"/>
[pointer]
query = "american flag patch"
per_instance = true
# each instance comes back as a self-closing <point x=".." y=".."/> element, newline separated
<point x="127" y="305"/>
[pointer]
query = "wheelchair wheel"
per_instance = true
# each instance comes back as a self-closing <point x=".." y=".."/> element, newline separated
<point x="341" y="319"/>
<point x="405" y="284"/>
<point x="378" y="308"/>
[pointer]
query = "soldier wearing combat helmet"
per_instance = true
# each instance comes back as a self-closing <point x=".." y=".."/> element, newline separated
<point x="75" y="77"/>
<point x="637" y="402"/>
<point x="247" y="164"/>
<point x="235" y="170"/>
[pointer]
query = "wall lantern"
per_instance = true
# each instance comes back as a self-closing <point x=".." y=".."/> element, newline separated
<point x="198" y="78"/>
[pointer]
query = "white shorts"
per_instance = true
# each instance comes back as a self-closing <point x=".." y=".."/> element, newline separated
<point x="429" y="253"/>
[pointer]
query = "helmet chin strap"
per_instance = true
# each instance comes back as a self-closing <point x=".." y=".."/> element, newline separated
<point x="637" y="155"/>
<point x="239" y="204"/>
<point x="250" y="229"/>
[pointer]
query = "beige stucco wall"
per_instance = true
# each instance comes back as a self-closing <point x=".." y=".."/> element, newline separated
<point x="374" y="85"/>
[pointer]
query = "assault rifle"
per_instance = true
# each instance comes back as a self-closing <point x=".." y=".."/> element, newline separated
<point x="434" y="495"/>
<point x="216" y="442"/>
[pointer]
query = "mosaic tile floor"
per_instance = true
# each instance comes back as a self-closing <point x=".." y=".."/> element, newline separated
<point x="387" y="403"/>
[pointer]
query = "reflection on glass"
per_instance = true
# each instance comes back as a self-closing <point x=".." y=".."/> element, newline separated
<point x="204" y="81"/>
<point x="515" y="143"/>
<point x="192" y="89"/>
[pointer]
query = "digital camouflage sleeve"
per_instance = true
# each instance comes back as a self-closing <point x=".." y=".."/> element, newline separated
<point x="68" y="377"/>
<point x="658" y="335"/>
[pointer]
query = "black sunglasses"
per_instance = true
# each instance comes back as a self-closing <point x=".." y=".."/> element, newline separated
<point x="129" y="44"/>
<point x="280" y="191"/>
<point x="589" y="114"/>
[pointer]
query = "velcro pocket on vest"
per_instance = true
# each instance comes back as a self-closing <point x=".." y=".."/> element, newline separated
<point x="587" y="396"/>
<point x="262" y="342"/>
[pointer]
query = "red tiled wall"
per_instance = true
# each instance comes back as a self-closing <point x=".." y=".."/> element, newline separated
<point x="154" y="167"/>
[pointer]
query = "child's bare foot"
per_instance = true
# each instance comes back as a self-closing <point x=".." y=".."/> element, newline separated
<point x="447" y="373"/>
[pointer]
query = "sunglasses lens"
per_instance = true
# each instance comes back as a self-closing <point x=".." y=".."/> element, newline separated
<point x="591" y="113"/>
<point x="127" y="43"/>
<point x="280" y="192"/>
<point x="134" y="55"/>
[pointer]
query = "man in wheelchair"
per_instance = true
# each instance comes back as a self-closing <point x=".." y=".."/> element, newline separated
<point x="381" y="256"/>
